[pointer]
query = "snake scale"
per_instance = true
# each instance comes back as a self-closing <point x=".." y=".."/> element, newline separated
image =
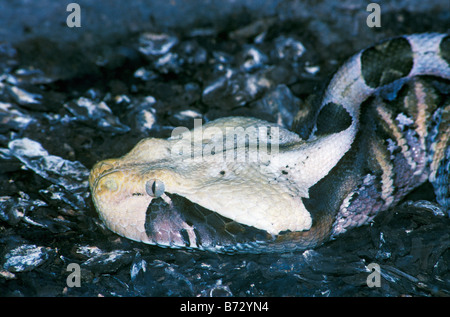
<point x="239" y="184"/>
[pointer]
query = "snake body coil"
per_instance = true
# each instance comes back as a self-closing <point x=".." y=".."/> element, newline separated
<point x="357" y="153"/>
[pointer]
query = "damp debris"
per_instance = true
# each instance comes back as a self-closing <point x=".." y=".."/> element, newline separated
<point x="62" y="112"/>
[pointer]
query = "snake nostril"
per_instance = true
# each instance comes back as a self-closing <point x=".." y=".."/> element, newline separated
<point x="111" y="185"/>
<point x="107" y="184"/>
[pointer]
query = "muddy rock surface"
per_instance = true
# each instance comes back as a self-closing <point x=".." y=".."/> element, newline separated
<point x="70" y="97"/>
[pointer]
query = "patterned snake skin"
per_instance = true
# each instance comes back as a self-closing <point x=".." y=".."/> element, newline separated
<point x="380" y="130"/>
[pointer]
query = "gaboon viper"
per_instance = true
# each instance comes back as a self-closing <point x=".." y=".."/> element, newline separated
<point x="380" y="130"/>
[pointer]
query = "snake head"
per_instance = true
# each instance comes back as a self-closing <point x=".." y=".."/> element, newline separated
<point x="260" y="194"/>
<point x="123" y="188"/>
<point x="118" y="198"/>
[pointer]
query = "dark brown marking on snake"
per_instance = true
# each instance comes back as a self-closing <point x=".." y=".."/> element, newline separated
<point x="332" y="118"/>
<point x="386" y="62"/>
<point x="445" y="49"/>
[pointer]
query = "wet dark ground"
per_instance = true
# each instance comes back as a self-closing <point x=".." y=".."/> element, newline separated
<point x="64" y="107"/>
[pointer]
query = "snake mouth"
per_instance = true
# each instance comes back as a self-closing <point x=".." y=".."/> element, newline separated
<point x="124" y="203"/>
<point x="169" y="221"/>
<point x="175" y="221"/>
<point x="172" y="220"/>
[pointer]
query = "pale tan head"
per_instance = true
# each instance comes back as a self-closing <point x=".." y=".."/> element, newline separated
<point x="252" y="193"/>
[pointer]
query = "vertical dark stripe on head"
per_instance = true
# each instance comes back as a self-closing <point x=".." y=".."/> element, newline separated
<point x="185" y="236"/>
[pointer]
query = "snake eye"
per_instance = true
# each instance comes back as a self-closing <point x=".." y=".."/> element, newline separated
<point x="154" y="188"/>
